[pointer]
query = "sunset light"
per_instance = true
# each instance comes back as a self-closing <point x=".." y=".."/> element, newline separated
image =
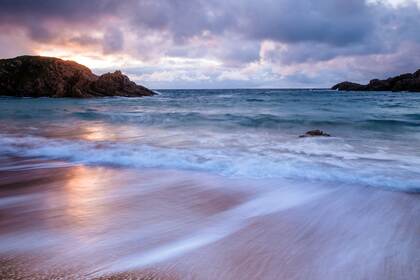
<point x="210" y="139"/>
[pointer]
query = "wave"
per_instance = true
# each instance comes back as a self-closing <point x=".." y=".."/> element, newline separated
<point x="188" y="119"/>
<point x="390" y="123"/>
<point x="413" y="116"/>
<point x="309" y="159"/>
<point x="254" y="100"/>
<point x="261" y="120"/>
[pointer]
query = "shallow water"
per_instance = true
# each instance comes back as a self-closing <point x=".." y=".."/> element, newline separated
<point x="79" y="222"/>
<point x="211" y="185"/>
<point x="235" y="133"/>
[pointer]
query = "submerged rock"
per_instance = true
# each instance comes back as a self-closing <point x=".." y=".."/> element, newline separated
<point x="315" y="133"/>
<point x="404" y="82"/>
<point x="37" y="76"/>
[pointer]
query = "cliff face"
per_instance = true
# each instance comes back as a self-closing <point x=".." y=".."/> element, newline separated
<point x="37" y="76"/>
<point x="405" y="82"/>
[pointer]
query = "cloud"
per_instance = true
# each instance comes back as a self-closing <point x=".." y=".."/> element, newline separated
<point x="229" y="42"/>
<point x="336" y="22"/>
<point x="68" y="10"/>
<point x="113" y="40"/>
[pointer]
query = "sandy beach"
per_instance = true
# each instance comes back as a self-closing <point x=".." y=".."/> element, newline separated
<point x="79" y="222"/>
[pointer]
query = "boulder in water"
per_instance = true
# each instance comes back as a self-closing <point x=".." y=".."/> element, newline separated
<point x="315" y="133"/>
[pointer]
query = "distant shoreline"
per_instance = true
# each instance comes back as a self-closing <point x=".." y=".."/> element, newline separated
<point x="402" y="83"/>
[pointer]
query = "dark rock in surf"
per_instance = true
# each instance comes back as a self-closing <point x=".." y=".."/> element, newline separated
<point x="404" y="82"/>
<point x="37" y="76"/>
<point x="315" y="133"/>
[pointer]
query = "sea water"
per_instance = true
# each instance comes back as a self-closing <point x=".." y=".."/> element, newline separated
<point x="211" y="184"/>
<point x="238" y="133"/>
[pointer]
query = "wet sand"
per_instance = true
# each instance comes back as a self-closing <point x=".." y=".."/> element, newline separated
<point x="61" y="221"/>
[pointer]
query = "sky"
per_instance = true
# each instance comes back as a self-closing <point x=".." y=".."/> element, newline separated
<point x="221" y="43"/>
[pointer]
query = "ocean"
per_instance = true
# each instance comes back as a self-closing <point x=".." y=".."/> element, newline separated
<point x="211" y="184"/>
<point x="234" y="133"/>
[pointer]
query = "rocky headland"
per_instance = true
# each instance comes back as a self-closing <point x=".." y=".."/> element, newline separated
<point x="404" y="82"/>
<point x="37" y="76"/>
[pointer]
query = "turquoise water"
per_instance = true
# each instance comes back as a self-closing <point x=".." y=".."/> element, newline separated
<point x="234" y="133"/>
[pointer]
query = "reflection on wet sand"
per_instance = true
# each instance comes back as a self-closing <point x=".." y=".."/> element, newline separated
<point x="80" y="193"/>
<point x="75" y="208"/>
<point x="80" y="222"/>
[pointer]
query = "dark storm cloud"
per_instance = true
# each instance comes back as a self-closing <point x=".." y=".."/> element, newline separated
<point x="38" y="17"/>
<point x="230" y="31"/>
<point x="334" y="21"/>
<point x="384" y="31"/>
<point x="182" y="18"/>
<point x="66" y="9"/>
<point x="337" y="22"/>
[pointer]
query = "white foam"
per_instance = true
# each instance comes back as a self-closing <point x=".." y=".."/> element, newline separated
<point x="330" y="160"/>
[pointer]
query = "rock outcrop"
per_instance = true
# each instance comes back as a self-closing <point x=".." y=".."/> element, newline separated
<point x="315" y="133"/>
<point x="37" y="76"/>
<point x="405" y="82"/>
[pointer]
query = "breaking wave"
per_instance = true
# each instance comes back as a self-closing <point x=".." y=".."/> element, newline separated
<point x="328" y="160"/>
